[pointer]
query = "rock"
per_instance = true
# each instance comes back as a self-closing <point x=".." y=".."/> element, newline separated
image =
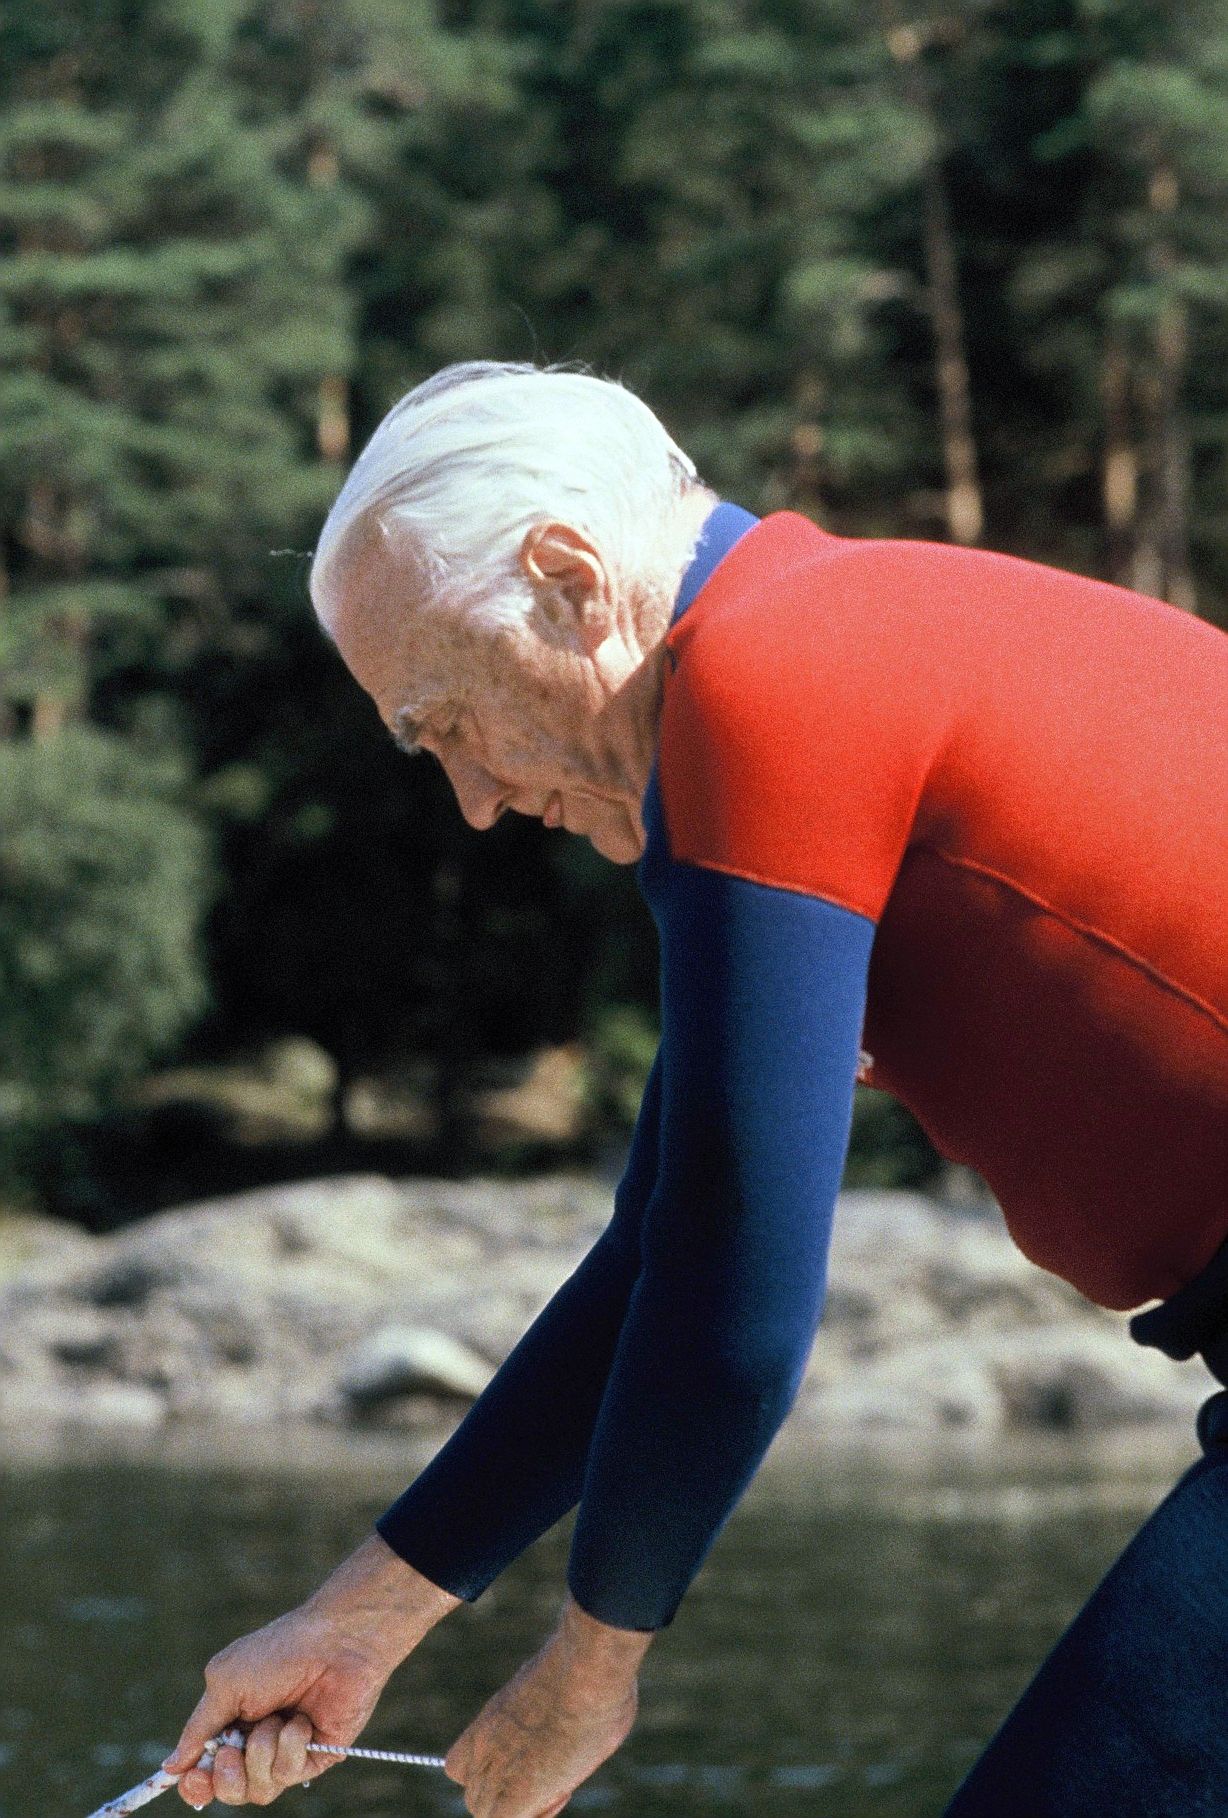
<point x="126" y="1280"/>
<point x="363" y="1297"/>
<point x="232" y="1337"/>
<point x="43" y="1403"/>
<point x="300" y="1065"/>
<point x="904" y="1267"/>
<point x="126" y="1404"/>
<point x="406" y="1360"/>
<point x="89" y="1350"/>
<point x="909" y="1391"/>
<point x="1072" y="1377"/>
<point x="57" y="1332"/>
<point x="1085" y="1379"/>
<point x="227" y="1398"/>
<point x="546" y="1104"/>
<point x="27" y="1239"/>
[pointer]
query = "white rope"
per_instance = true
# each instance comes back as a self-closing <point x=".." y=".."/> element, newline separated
<point x="162" y="1782"/>
<point x="331" y="1748"/>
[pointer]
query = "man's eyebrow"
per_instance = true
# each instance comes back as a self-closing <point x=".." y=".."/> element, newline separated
<point x="406" y="733"/>
<point x="409" y="723"/>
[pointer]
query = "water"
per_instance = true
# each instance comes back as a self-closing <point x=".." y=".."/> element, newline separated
<point x="855" y="1636"/>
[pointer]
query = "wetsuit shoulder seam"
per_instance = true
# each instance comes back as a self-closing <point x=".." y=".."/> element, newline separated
<point x="771" y="883"/>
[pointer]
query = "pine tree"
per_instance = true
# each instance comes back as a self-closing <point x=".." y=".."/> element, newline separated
<point x="1122" y="313"/>
<point x="170" y="297"/>
<point x="173" y="297"/>
<point x="716" y="175"/>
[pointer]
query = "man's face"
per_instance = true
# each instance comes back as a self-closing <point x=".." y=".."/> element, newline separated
<point x="512" y="719"/>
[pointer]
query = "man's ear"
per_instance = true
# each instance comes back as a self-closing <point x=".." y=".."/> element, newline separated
<point x="570" y="581"/>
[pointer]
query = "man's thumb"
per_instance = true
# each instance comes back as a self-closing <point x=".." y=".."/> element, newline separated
<point x="211" y="1715"/>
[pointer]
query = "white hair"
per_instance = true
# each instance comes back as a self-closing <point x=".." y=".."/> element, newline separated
<point x="469" y="461"/>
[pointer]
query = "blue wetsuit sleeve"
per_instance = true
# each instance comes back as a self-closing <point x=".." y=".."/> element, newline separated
<point x="515" y="1464"/>
<point x="763" y="995"/>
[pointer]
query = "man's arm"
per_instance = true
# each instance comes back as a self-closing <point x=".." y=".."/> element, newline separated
<point x="763" y="996"/>
<point x="658" y="1374"/>
<point x="512" y="1468"/>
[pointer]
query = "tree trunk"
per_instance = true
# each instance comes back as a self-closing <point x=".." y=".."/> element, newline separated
<point x="965" y="511"/>
<point x="8" y="709"/>
<point x="452" y="1103"/>
<point x="1173" y="460"/>
<point x="333" y="417"/>
<point x="1120" y="478"/>
<point x="965" y="506"/>
<point x="333" y="407"/>
<point x="806" y="446"/>
<point x="454" y="1056"/>
<point x="339" y="1130"/>
<point x="1162" y="557"/>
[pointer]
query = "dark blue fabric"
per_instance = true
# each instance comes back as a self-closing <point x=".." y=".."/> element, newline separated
<point x="721" y="529"/>
<point x="515" y="1465"/>
<point x="762" y="997"/>
<point x="1127" y="1714"/>
<point x="651" y="1385"/>
<point x="1195" y="1318"/>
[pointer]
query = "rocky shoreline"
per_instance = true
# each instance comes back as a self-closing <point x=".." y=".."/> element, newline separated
<point x="364" y="1303"/>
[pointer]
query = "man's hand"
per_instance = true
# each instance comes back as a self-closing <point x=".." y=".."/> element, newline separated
<point x="312" y="1675"/>
<point x="556" y="1720"/>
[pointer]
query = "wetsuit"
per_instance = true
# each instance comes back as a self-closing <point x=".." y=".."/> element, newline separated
<point x="965" y="813"/>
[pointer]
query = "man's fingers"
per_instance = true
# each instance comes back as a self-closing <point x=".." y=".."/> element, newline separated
<point x="258" y="1758"/>
<point x="229" y="1777"/>
<point x="292" y="1764"/>
<point x="196" y="1786"/>
<point x="211" y="1715"/>
<point x="456" y="1762"/>
<point x="273" y="1758"/>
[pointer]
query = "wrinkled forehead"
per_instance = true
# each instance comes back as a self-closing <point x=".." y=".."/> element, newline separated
<point x="366" y="593"/>
<point x="396" y="648"/>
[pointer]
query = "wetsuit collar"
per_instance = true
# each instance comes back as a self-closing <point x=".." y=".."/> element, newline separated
<point x="722" y="528"/>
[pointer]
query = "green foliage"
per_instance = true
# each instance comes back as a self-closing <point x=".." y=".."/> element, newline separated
<point x="232" y="232"/>
<point x="887" y="1147"/>
<point x="619" y="1054"/>
<point x="103" y="875"/>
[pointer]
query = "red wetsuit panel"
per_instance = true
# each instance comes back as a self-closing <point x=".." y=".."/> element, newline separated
<point x="796" y="732"/>
<point x="1022" y="776"/>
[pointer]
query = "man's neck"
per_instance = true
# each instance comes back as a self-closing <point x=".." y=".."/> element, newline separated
<point x="640" y="698"/>
<point x="632" y="717"/>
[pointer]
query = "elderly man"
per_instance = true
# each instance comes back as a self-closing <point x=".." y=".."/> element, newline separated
<point x="944" y="820"/>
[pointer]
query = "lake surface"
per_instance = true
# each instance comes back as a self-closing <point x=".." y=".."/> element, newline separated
<point x="858" y="1631"/>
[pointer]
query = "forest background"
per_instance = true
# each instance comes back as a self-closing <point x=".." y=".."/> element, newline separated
<point x="958" y="273"/>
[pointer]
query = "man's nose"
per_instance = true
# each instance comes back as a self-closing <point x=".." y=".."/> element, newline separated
<point x="478" y="794"/>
